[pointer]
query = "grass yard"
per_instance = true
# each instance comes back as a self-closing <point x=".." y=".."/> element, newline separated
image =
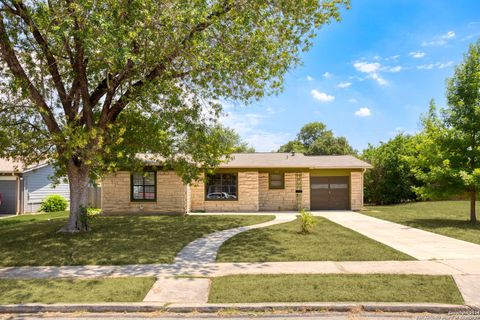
<point x="333" y="288"/>
<point x="283" y="242"/>
<point x="449" y="218"/>
<point x="32" y="240"/>
<point x="129" y="289"/>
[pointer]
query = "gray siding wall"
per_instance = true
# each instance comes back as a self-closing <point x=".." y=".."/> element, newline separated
<point x="38" y="186"/>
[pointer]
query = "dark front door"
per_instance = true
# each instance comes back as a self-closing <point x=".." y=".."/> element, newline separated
<point x="329" y="193"/>
<point x="8" y="191"/>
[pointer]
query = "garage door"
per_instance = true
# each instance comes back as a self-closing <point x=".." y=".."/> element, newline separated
<point x="329" y="193"/>
<point x="8" y="190"/>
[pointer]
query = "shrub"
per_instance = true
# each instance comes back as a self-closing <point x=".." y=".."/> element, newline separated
<point x="308" y="221"/>
<point x="54" y="203"/>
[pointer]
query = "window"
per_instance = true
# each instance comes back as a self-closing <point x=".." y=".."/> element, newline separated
<point x="276" y="181"/>
<point x="221" y="186"/>
<point x="144" y="186"/>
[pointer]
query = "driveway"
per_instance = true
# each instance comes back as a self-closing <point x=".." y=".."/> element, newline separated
<point x="420" y="244"/>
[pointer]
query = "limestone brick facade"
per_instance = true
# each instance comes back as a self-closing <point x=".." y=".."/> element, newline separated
<point x="173" y="196"/>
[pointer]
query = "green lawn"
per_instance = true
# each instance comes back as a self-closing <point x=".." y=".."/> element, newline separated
<point x="283" y="242"/>
<point x="129" y="289"/>
<point x="449" y="218"/>
<point x="114" y="240"/>
<point x="333" y="288"/>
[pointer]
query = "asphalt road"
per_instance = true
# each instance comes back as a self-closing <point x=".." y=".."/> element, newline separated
<point x="306" y="316"/>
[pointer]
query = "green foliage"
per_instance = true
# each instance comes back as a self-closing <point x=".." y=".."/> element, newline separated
<point x="54" y="203"/>
<point x="104" y="80"/>
<point x="232" y="140"/>
<point x="391" y="179"/>
<point x="315" y="139"/>
<point x="448" y="159"/>
<point x="308" y="222"/>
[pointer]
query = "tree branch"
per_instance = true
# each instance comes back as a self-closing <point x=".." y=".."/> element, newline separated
<point x="52" y="66"/>
<point x="109" y="115"/>
<point x="17" y="70"/>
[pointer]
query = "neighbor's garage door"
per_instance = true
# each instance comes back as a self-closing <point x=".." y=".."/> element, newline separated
<point x="8" y="190"/>
<point x="329" y="193"/>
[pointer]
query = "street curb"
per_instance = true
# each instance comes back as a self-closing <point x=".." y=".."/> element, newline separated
<point x="245" y="307"/>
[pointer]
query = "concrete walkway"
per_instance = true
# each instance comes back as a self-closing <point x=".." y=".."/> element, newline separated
<point x="204" y="250"/>
<point x="201" y="251"/>
<point x="420" y="244"/>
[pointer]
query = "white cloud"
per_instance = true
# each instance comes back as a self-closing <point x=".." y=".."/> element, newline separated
<point x="393" y="69"/>
<point x="247" y="126"/>
<point x="445" y="65"/>
<point x="367" y="67"/>
<point x="426" y="66"/>
<point x="448" y="35"/>
<point x="395" y="57"/>
<point x="327" y="75"/>
<point x="309" y="78"/>
<point x="437" y="65"/>
<point x="344" y="85"/>
<point x="417" y="54"/>
<point x="363" y="112"/>
<point x="372" y="70"/>
<point x="381" y="81"/>
<point x="440" y="40"/>
<point x="321" y="96"/>
<point x="352" y="100"/>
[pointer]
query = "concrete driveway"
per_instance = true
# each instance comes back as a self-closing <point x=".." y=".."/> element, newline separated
<point x="420" y="244"/>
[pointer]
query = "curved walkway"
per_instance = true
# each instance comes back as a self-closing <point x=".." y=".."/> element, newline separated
<point x="204" y="250"/>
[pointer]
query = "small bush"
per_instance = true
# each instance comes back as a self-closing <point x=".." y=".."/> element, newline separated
<point x="308" y="221"/>
<point x="54" y="203"/>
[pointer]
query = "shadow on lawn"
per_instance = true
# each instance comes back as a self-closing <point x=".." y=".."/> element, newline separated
<point x="436" y="223"/>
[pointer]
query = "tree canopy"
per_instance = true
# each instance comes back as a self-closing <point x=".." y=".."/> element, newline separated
<point x="448" y="160"/>
<point x="90" y="83"/>
<point x="391" y="179"/>
<point x="315" y="139"/>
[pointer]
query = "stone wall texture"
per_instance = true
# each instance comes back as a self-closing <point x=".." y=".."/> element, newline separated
<point x="356" y="190"/>
<point x="247" y="201"/>
<point x="171" y="194"/>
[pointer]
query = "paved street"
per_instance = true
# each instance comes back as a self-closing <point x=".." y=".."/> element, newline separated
<point x="308" y="316"/>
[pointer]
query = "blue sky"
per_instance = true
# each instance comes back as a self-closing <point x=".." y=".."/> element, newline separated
<point x="369" y="76"/>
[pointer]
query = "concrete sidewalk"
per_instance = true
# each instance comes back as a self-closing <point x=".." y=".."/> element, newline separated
<point x="420" y="244"/>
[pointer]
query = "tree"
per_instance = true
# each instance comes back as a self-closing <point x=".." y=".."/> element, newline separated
<point x="315" y="139"/>
<point x="447" y="156"/>
<point x="233" y="140"/>
<point x="391" y="180"/>
<point x="75" y="72"/>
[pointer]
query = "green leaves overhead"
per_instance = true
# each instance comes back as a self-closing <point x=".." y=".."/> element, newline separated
<point x="89" y="77"/>
<point x="315" y="139"/>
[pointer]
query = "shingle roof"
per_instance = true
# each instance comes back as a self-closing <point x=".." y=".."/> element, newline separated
<point x="292" y="160"/>
<point x="9" y="166"/>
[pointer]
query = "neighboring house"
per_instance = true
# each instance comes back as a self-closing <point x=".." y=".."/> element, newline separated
<point x="247" y="182"/>
<point x="22" y="188"/>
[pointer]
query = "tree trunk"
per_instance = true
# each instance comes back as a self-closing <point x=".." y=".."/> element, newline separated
<point x="78" y="179"/>
<point x="473" y="214"/>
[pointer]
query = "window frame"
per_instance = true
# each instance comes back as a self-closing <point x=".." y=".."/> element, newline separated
<point x="206" y="186"/>
<point x="132" y="199"/>
<point x="270" y="180"/>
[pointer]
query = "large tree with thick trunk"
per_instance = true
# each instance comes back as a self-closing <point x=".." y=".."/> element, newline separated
<point x="87" y="84"/>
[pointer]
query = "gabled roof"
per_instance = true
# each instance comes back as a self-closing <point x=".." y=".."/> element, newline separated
<point x="9" y="166"/>
<point x="277" y="160"/>
<point x="292" y="160"/>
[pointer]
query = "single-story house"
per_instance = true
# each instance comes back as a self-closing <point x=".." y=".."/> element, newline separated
<point x="247" y="182"/>
<point x="22" y="188"/>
